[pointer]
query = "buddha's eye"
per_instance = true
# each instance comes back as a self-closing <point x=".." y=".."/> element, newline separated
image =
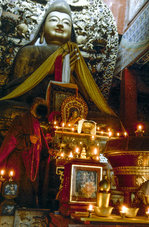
<point x="53" y="20"/>
<point x="67" y="22"/>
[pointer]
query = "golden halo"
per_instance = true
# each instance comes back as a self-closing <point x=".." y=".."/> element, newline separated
<point x="71" y="103"/>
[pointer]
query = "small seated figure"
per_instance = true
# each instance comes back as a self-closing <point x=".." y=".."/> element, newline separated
<point x="74" y="116"/>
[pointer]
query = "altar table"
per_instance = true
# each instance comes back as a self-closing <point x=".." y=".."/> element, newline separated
<point x="79" y="219"/>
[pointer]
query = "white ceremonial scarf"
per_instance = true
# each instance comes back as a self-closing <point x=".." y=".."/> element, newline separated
<point x="66" y="69"/>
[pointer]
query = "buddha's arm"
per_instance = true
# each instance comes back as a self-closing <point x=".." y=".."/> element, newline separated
<point x="22" y="63"/>
<point x="29" y="58"/>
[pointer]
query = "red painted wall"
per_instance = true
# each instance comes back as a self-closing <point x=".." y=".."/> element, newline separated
<point x="119" y="10"/>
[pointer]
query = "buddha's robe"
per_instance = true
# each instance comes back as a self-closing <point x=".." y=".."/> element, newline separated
<point x="80" y="76"/>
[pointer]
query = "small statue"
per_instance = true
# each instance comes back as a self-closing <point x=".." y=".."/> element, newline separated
<point x="103" y="199"/>
<point x="104" y="185"/>
<point x="103" y="196"/>
<point x="74" y="116"/>
<point x="83" y="153"/>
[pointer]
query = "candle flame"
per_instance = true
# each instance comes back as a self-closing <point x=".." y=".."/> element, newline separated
<point x="118" y="134"/>
<point x="124" y="209"/>
<point x="125" y="134"/>
<point x="93" y="137"/>
<point x="147" y="212"/>
<point x="2" y="172"/>
<point x="77" y="150"/>
<point x="140" y="127"/>
<point x="62" y="154"/>
<point x="110" y="133"/>
<point x="71" y="155"/>
<point x="95" y="151"/>
<point x="11" y="173"/>
<point x="90" y="208"/>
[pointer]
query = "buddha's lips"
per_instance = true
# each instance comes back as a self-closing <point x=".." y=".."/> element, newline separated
<point x="59" y="30"/>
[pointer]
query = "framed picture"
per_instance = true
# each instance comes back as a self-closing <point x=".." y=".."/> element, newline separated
<point x="84" y="183"/>
<point x="10" y="189"/>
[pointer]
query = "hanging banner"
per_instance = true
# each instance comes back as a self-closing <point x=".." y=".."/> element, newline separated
<point x="135" y="41"/>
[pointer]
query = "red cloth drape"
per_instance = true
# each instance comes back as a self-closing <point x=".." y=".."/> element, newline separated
<point x="128" y="106"/>
<point x="58" y="68"/>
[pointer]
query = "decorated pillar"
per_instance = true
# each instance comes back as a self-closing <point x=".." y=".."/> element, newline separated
<point x="128" y="103"/>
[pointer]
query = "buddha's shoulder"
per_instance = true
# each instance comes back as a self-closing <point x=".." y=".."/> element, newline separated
<point x="34" y="50"/>
<point x="28" y="49"/>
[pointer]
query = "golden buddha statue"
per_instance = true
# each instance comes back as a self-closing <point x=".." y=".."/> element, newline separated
<point x="53" y="51"/>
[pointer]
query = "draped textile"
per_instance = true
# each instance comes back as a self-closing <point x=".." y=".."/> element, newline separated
<point x="58" y="68"/>
<point x="66" y="69"/>
<point x="84" y="78"/>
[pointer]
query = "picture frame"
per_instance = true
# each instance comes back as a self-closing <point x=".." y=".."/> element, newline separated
<point x="10" y="189"/>
<point x="84" y="183"/>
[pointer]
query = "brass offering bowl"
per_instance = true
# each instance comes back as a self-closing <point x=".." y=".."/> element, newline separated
<point x="131" y="212"/>
<point x="88" y="126"/>
<point x="103" y="211"/>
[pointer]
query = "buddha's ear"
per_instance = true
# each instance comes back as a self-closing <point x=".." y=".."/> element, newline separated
<point x="42" y="37"/>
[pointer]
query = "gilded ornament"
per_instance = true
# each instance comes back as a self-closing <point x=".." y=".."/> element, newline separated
<point x="104" y="185"/>
<point x="140" y="160"/>
<point x="22" y="30"/>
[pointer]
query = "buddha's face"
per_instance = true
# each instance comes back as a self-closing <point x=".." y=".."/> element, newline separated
<point x="57" y="28"/>
<point x="75" y="113"/>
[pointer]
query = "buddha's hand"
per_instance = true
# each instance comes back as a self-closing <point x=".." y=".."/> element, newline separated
<point x="72" y="49"/>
